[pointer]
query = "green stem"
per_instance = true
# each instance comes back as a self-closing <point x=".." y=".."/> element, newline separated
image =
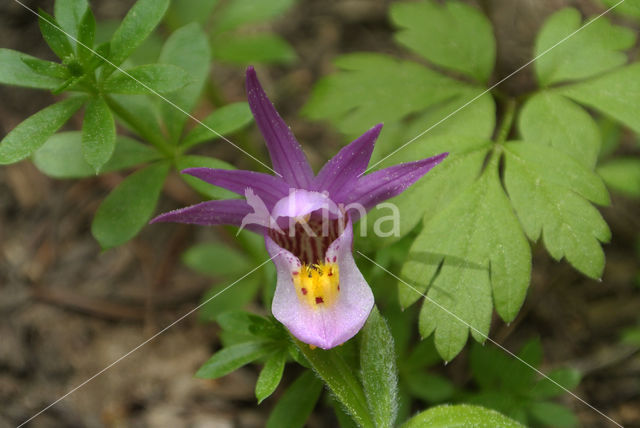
<point x="130" y="119"/>
<point x="507" y="121"/>
<point x="341" y="379"/>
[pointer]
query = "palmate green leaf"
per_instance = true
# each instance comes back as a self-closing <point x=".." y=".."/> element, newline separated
<point x="339" y="376"/>
<point x="240" y="12"/>
<point x="248" y="49"/>
<point x="129" y="206"/>
<point x="206" y="189"/>
<point x="550" y="193"/>
<point x="454" y="35"/>
<point x="615" y="94"/>
<point x="223" y="121"/>
<point x="136" y="26"/>
<point x="52" y="34"/>
<point x="588" y="52"/>
<point x="484" y="253"/>
<point x="622" y="175"/>
<point x="149" y="78"/>
<point x="69" y="14"/>
<point x="61" y="156"/>
<point x="98" y="133"/>
<point x="233" y="357"/>
<point x="20" y="69"/>
<point x="186" y="48"/>
<point x="216" y="259"/>
<point x="379" y="371"/>
<point x="270" y="375"/>
<point x="551" y="119"/>
<point x="32" y="133"/>
<point x="461" y="415"/>
<point x="354" y="99"/>
<point x="297" y="403"/>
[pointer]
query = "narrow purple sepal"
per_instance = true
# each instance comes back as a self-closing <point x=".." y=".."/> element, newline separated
<point x="287" y="156"/>
<point x="345" y="167"/>
<point x="371" y="189"/>
<point x="230" y="211"/>
<point x="269" y="188"/>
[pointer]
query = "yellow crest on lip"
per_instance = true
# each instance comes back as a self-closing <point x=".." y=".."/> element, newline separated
<point x="317" y="285"/>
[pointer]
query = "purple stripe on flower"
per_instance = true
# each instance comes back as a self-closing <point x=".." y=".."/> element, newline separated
<point x="287" y="156"/>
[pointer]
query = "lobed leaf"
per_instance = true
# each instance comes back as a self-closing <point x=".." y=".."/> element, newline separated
<point x="136" y="26"/>
<point x="297" y="403"/>
<point x="149" y="78"/>
<point x="98" y="133"/>
<point x="32" y="133"/>
<point x="564" y="53"/>
<point x="454" y="35"/>
<point x="187" y="48"/>
<point x="129" y="206"/>
<point x="615" y="94"/>
<point x="553" y="120"/>
<point x="270" y="376"/>
<point x="379" y="371"/>
<point x="61" y="156"/>
<point x="550" y="193"/>
<point x="461" y="415"/>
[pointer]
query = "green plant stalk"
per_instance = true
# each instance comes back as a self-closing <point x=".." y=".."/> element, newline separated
<point x="340" y="378"/>
<point x="507" y="121"/>
<point x="125" y="115"/>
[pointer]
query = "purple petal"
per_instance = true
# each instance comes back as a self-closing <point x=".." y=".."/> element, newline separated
<point x="287" y="156"/>
<point x="345" y="167"/>
<point x="324" y="327"/>
<point x="267" y="187"/>
<point x="381" y="185"/>
<point x="230" y="211"/>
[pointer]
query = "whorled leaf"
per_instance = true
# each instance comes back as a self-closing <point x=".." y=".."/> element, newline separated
<point x="20" y="69"/>
<point x="149" y="78"/>
<point x="98" y="133"/>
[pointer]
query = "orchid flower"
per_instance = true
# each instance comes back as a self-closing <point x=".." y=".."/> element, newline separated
<point x="321" y="296"/>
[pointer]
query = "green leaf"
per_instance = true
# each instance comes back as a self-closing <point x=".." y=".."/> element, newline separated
<point x="53" y="35"/>
<point x="145" y="79"/>
<point x="484" y="253"/>
<point x="339" y="376"/>
<point x="216" y="259"/>
<point x="242" y="323"/>
<point x="461" y="415"/>
<point x="297" y="403"/>
<point x="615" y="94"/>
<point x="98" y="133"/>
<point x="240" y="12"/>
<point x="32" y="133"/>
<point x="553" y="120"/>
<point x="238" y="296"/>
<point x="567" y="377"/>
<point x="622" y="175"/>
<point x="629" y="8"/>
<point x="552" y="414"/>
<point x="187" y="11"/>
<point x="428" y="387"/>
<point x="139" y="114"/>
<point x="61" y="156"/>
<point x="270" y="376"/>
<point x="86" y="37"/>
<point x="564" y="53"/>
<point x="223" y="121"/>
<point x="136" y="26"/>
<point x="233" y="357"/>
<point x="354" y="99"/>
<point x="454" y="35"/>
<point x="550" y="193"/>
<point x="379" y="372"/>
<point x="69" y="14"/>
<point x="206" y="189"/>
<point x="255" y="48"/>
<point x="20" y="69"/>
<point x="129" y="206"/>
<point x="186" y="48"/>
